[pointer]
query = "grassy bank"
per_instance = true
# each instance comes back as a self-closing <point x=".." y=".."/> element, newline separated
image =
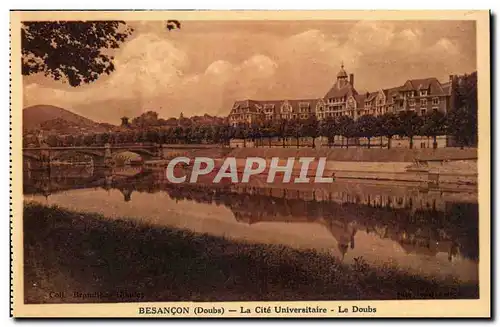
<point x="123" y="261"/>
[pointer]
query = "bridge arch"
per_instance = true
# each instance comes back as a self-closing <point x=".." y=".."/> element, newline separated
<point x="145" y="154"/>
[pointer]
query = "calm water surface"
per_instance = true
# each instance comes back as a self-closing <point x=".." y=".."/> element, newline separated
<point x="427" y="232"/>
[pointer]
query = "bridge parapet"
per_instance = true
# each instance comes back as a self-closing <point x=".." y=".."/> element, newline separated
<point x="104" y="153"/>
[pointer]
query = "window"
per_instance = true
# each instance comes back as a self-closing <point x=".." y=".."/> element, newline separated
<point x="422" y="112"/>
<point x="435" y="101"/>
<point x="434" y="109"/>
<point x="423" y="102"/>
<point x="412" y="102"/>
<point x="423" y="93"/>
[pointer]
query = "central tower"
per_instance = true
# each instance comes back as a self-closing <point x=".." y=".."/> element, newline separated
<point x="342" y="76"/>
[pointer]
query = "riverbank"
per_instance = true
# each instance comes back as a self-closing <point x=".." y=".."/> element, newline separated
<point x="68" y="254"/>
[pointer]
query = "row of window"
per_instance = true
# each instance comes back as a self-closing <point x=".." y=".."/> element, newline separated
<point x="321" y="115"/>
<point x="269" y="109"/>
<point x="423" y="102"/>
<point x="336" y="100"/>
<point x="422" y="93"/>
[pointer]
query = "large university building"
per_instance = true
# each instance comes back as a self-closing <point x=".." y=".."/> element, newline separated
<point x="421" y="95"/>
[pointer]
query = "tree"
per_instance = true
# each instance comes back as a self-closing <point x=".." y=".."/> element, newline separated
<point x="75" y="51"/>
<point x="296" y="128"/>
<point x="187" y="134"/>
<point x="178" y="134"/>
<point x="88" y="139"/>
<point x="366" y="126"/>
<point x="389" y="126"/>
<point x="328" y="129"/>
<point x="310" y="129"/>
<point x="241" y="132"/>
<point x="145" y="120"/>
<point x="282" y="129"/>
<point x="269" y="131"/>
<point x="462" y="119"/>
<point x="410" y="124"/>
<point x="254" y="132"/>
<point x="53" y="140"/>
<point x="71" y="50"/>
<point x="152" y="136"/>
<point x="434" y="124"/>
<point x="345" y="128"/>
<point x="227" y="133"/>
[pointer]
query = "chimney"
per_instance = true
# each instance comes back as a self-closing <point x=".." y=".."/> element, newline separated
<point x="351" y="79"/>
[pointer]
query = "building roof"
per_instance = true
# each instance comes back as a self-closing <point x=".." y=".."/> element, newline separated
<point x="246" y="104"/>
<point x="371" y="96"/>
<point x="446" y="88"/>
<point x="430" y="83"/>
<point x="259" y="106"/>
<point x="360" y="100"/>
<point x="342" y="72"/>
<point x="390" y="93"/>
<point x="343" y="88"/>
<point x="338" y="91"/>
<point x="296" y="104"/>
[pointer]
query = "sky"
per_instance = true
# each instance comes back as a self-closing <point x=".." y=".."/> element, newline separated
<point x="205" y="66"/>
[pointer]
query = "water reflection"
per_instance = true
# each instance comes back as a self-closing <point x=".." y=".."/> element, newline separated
<point x="413" y="228"/>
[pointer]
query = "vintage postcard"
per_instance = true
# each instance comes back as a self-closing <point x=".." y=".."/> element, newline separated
<point x="206" y="164"/>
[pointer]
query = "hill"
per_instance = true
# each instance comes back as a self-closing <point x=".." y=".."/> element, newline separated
<point x="49" y="117"/>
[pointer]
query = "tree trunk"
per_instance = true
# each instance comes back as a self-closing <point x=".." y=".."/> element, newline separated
<point x="244" y="142"/>
<point x="381" y="142"/>
<point x="434" y="143"/>
<point x="411" y="142"/>
<point x="347" y="143"/>
<point x="298" y="141"/>
<point x="368" y="142"/>
<point x="283" y="142"/>
<point x="270" y="141"/>
<point x="389" y="139"/>
<point x="313" y="144"/>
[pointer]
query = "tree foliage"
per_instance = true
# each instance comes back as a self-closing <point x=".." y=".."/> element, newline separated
<point x="389" y="126"/>
<point x="410" y="124"/>
<point x="75" y="51"/>
<point x="434" y="124"/>
<point x="463" y="115"/>
<point x="367" y="126"/>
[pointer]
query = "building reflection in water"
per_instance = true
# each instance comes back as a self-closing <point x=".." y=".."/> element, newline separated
<point x="422" y="222"/>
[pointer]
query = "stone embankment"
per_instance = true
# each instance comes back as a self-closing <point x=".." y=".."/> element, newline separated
<point x="442" y="166"/>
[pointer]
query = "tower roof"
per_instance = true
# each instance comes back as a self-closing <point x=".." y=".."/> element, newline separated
<point x="342" y="72"/>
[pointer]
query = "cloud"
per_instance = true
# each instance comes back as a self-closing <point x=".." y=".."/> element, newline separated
<point x="196" y="74"/>
<point x="445" y="45"/>
<point x="365" y="35"/>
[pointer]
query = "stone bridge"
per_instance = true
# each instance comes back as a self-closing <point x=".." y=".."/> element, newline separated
<point x="101" y="155"/>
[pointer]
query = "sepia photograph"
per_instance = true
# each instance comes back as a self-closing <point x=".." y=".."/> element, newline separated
<point x="278" y="161"/>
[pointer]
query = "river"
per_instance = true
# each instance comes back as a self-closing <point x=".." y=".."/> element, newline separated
<point x="427" y="232"/>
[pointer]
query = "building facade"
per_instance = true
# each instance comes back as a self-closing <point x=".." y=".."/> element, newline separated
<point x="419" y="95"/>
